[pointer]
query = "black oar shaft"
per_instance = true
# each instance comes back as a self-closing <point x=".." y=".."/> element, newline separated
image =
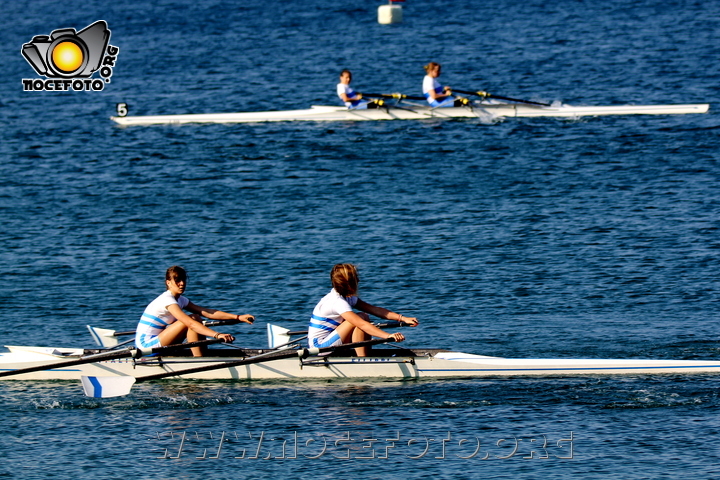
<point x="520" y="101"/>
<point x="392" y="95"/>
<point x="216" y="323"/>
<point x="479" y="93"/>
<point x="490" y="95"/>
<point x="118" y="334"/>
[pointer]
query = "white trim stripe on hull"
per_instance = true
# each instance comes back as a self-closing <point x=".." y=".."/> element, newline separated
<point x="329" y="113"/>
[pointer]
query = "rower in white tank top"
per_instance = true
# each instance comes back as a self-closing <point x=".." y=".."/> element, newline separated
<point x="334" y="322"/>
<point x="350" y="97"/>
<point x="436" y="94"/>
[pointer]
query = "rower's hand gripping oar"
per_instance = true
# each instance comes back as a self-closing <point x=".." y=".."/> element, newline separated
<point x="482" y="94"/>
<point x="106" y="387"/>
<point x="115" y="354"/>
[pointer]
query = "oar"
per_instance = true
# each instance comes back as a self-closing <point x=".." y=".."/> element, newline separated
<point x="399" y="96"/>
<point x="100" y="357"/>
<point x="106" y="387"/>
<point x="381" y="103"/>
<point x="108" y="338"/>
<point x="482" y="94"/>
<point x="463" y="101"/>
<point x="279" y="337"/>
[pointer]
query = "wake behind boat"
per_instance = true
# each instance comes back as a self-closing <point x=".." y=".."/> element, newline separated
<point x="488" y="109"/>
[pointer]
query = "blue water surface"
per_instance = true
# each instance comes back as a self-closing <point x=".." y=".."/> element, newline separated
<point x="593" y="237"/>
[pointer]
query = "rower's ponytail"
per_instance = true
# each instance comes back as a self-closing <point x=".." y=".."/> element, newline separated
<point x="430" y="66"/>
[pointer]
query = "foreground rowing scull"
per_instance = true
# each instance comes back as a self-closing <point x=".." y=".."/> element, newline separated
<point x="398" y="363"/>
<point x="413" y="112"/>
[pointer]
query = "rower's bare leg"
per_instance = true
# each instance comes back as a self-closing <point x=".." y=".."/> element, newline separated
<point x="173" y="334"/>
<point x="350" y="333"/>
<point x="360" y="336"/>
<point x="193" y="336"/>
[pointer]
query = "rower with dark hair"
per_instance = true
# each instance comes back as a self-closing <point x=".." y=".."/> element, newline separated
<point x="164" y="322"/>
<point x="352" y="99"/>
<point x="333" y="321"/>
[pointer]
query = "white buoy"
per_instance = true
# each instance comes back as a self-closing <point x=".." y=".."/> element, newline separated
<point x="388" y="14"/>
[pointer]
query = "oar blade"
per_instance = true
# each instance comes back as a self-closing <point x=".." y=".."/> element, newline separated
<point x="277" y="335"/>
<point x="107" y="387"/>
<point x="103" y="337"/>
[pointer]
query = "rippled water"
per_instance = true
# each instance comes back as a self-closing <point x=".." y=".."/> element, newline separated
<point x="521" y="238"/>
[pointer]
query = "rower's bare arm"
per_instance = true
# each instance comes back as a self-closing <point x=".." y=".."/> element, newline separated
<point x="381" y="312"/>
<point x="365" y="326"/>
<point x="190" y="322"/>
<point x="440" y="96"/>
<point x="345" y="98"/>
<point x="214" y="314"/>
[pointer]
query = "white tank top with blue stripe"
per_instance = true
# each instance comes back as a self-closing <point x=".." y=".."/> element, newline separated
<point x="156" y="316"/>
<point x="430" y="83"/>
<point x="327" y="315"/>
<point x="347" y="90"/>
